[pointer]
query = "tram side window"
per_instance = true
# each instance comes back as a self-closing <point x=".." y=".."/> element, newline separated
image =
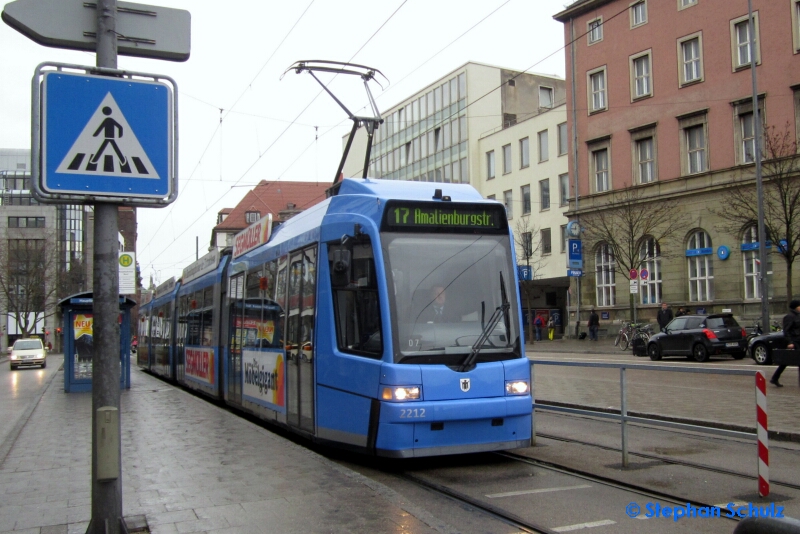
<point x="355" y="299"/>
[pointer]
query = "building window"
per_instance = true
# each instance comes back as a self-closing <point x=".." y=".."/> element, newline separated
<point x="682" y="4"/>
<point x="752" y="265"/>
<point x="599" y="169"/>
<point x="641" y="76"/>
<point x="527" y="245"/>
<point x="545" y="97"/>
<point x="508" y="199"/>
<point x="506" y="159"/>
<point x="252" y="216"/>
<point x="26" y="222"/>
<point x="546" y="243"/>
<point x="563" y="188"/>
<point x="645" y="160"/>
<point x="524" y="153"/>
<point x="544" y="194"/>
<point x="563" y="141"/>
<point x="650" y="259"/>
<point x="694" y="143"/>
<point x="544" y="151"/>
<point x="744" y="134"/>
<point x="605" y="276"/>
<point x="526" y="199"/>
<point x="796" y="25"/>
<point x="595" y="30"/>
<point x="563" y="238"/>
<point x="597" y="90"/>
<point x="490" y="165"/>
<point x="638" y="13"/>
<point x="741" y="41"/>
<point x="699" y="256"/>
<point x="690" y="59"/>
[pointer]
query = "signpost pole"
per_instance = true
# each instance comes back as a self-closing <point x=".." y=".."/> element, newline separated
<point x="106" y="493"/>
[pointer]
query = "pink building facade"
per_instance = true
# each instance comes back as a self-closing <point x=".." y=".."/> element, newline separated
<point x="660" y="97"/>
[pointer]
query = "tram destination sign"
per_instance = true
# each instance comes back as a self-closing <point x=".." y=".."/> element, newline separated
<point x="444" y="217"/>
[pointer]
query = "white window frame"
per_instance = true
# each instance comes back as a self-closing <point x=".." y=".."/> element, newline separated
<point x="490" y="165"/>
<point x="546" y="91"/>
<point x="687" y="123"/>
<point x="524" y="153"/>
<point x="639" y="135"/>
<point x="697" y="63"/>
<point x="683" y="4"/>
<point x="544" y="194"/>
<point x="650" y="259"/>
<point x="594" y="31"/>
<point x="751" y="270"/>
<point x="546" y="240"/>
<point x="641" y="79"/>
<point x="508" y="202"/>
<point x="507" y="159"/>
<point x="563" y="238"/>
<point x="543" y="140"/>
<point x="638" y="8"/>
<point x="563" y="187"/>
<point x="563" y="138"/>
<point x="605" y="276"/>
<point x="795" y="25"/>
<point x="700" y="268"/>
<point x="738" y="48"/>
<point x="599" y="176"/>
<point x="597" y="93"/>
<point x="525" y="191"/>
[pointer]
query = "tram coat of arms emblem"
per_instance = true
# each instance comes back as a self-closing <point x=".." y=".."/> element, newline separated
<point x="464" y="382"/>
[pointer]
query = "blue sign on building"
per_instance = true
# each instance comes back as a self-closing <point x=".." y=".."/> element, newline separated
<point x="574" y="272"/>
<point x="524" y="272"/>
<point x="105" y="136"/>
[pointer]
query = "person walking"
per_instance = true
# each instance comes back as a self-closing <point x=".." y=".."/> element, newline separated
<point x="551" y="328"/>
<point x="538" y="323"/>
<point x="791" y="330"/>
<point x="594" y="325"/>
<point x="664" y="316"/>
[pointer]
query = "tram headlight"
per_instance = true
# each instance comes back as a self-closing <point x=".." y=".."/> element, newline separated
<point x="517" y="387"/>
<point x="401" y="393"/>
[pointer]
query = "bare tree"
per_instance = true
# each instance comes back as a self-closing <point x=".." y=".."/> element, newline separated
<point x="626" y="223"/>
<point x="528" y="241"/>
<point x="781" y="187"/>
<point x="28" y="278"/>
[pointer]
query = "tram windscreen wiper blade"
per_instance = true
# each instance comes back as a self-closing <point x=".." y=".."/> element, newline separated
<point x="500" y="312"/>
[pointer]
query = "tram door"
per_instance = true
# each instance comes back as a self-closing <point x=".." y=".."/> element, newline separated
<point x="300" y="310"/>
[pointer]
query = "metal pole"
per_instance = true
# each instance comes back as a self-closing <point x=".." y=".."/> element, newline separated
<point x="575" y="166"/>
<point x="762" y="233"/>
<point x="106" y="494"/>
<point x="533" y="408"/>
<point x="623" y="414"/>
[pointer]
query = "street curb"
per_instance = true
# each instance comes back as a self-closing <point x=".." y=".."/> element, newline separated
<point x="777" y="435"/>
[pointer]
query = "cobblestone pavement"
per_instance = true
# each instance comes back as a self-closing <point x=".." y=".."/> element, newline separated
<point x="188" y="466"/>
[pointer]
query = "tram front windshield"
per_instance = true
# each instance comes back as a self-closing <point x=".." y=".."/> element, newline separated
<point x="444" y="289"/>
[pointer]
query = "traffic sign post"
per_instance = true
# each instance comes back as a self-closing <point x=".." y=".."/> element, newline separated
<point x="575" y="256"/>
<point x="104" y="138"/>
<point x="101" y="133"/>
<point x="634" y="274"/>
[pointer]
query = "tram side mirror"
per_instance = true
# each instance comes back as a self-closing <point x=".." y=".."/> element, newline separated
<point x="340" y="267"/>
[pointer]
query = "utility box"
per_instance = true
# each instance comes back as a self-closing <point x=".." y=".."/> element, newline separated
<point x="77" y="312"/>
<point x="107" y="441"/>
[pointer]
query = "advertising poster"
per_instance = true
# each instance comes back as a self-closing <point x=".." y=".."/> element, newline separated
<point x="83" y="333"/>
<point x="264" y="378"/>
<point x="200" y="364"/>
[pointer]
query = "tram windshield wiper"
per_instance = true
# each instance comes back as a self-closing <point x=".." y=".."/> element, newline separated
<point x="499" y="313"/>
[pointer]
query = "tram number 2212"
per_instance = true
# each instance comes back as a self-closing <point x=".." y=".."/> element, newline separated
<point x="412" y="413"/>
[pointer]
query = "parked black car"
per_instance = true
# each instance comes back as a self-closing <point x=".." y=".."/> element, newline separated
<point x="699" y="336"/>
<point x="761" y="347"/>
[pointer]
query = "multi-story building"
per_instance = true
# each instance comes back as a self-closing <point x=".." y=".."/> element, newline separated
<point x="503" y="132"/>
<point x="44" y="252"/>
<point x="659" y="98"/>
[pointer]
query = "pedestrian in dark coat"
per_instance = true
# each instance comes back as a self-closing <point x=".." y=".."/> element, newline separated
<point x="664" y="316"/>
<point x="594" y="325"/>
<point x="791" y="330"/>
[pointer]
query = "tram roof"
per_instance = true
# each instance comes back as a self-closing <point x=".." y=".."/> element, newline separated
<point x="391" y="189"/>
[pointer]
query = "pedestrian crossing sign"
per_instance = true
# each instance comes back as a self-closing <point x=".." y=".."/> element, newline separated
<point x="106" y="138"/>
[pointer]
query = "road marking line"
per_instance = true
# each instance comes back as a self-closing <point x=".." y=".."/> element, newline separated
<point x="736" y="504"/>
<point x="528" y="492"/>
<point x="581" y="526"/>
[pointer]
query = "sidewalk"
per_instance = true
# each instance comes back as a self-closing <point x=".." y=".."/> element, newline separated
<point x="188" y="466"/>
<point x="581" y="346"/>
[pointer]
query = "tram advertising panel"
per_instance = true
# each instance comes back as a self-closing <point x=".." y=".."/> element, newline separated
<point x="259" y="328"/>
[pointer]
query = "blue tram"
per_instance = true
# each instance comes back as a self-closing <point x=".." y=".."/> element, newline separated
<point x="384" y="319"/>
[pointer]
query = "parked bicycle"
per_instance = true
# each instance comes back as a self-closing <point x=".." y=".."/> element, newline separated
<point x="630" y="331"/>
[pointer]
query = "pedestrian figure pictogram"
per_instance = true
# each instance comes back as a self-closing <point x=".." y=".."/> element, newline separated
<point x="107" y="134"/>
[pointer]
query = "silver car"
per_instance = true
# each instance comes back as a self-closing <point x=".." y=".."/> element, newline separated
<point x="27" y="353"/>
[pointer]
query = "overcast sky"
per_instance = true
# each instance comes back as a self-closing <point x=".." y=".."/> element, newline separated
<point x="239" y="51"/>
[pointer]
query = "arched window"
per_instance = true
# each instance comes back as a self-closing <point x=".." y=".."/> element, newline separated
<point x="699" y="257"/>
<point x="650" y="259"/>
<point x="605" y="266"/>
<point x="752" y="265"/>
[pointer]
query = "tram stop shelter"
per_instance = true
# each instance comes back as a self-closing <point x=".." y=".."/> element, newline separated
<point x="77" y="313"/>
